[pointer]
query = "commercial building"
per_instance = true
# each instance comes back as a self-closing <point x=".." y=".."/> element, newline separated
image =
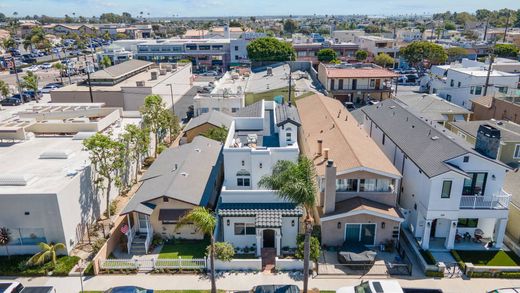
<point x="127" y="84"/>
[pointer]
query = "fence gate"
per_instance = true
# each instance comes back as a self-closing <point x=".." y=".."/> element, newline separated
<point x="452" y="270"/>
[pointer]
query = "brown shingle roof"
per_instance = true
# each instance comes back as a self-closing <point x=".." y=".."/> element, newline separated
<point x="326" y="119"/>
<point x="364" y="205"/>
<point x="360" y="73"/>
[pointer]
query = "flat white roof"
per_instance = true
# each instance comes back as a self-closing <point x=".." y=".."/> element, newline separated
<point x="479" y="71"/>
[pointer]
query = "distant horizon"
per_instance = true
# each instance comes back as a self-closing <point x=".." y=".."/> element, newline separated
<point x="246" y="8"/>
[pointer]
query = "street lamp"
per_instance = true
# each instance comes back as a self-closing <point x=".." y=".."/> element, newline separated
<point x="171" y="94"/>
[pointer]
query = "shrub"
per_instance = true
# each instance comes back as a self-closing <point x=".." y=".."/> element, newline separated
<point x="434" y="274"/>
<point x="428" y="257"/>
<point x="113" y="207"/>
<point x="96" y="246"/>
<point x="509" y="275"/>
<point x="316" y="232"/>
<point x="480" y="274"/>
<point x="458" y="259"/>
<point x="157" y="240"/>
<point x="161" y="147"/>
<point x="89" y="270"/>
<point x="223" y="251"/>
<point x="148" y="161"/>
<point x="315" y="248"/>
<point x="64" y="266"/>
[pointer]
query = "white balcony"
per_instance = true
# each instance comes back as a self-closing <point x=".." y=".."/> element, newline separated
<point x="498" y="201"/>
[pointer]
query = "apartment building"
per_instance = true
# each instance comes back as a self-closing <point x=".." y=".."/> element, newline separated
<point x="375" y="45"/>
<point x="47" y="191"/>
<point x="498" y="107"/>
<point x="461" y="82"/>
<point x="448" y="188"/>
<point x="357" y="182"/>
<point x="309" y="51"/>
<point x="346" y="36"/>
<point x="127" y="84"/>
<point x="249" y="216"/>
<point x="238" y="48"/>
<point x="357" y="83"/>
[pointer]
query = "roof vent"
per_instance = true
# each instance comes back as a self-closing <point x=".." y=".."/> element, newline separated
<point x="57" y="154"/>
<point x="197" y="150"/>
<point x="184" y="174"/>
<point x="435" y="137"/>
<point x="16" y="180"/>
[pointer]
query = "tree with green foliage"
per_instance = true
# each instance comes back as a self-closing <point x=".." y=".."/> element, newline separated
<point x="121" y="36"/>
<point x="361" y="55"/>
<point x="170" y="123"/>
<point x="224" y="251"/>
<point x="290" y="26"/>
<point x="4" y="89"/>
<point x="270" y="49"/>
<point x="384" y="59"/>
<point x="216" y="133"/>
<point x="456" y="53"/>
<point x="107" y="157"/>
<point x="105" y="62"/>
<point x="155" y="118"/>
<point x="47" y="252"/>
<point x="5" y="239"/>
<point x="137" y="141"/>
<point x="420" y="51"/>
<point x="30" y="82"/>
<point x="296" y="182"/>
<point x="314" y="248"/>
<point x="506" y="50"/>
<point x="450" y="26"/>
<point x="205" y="221"/>
<point x="326" y="55"/>
<point x="60" y="67"/>
<point x="9" y="43"/>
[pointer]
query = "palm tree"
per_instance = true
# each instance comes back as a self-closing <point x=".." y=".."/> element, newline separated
<point x="30" y="82"/>
<point x="296" y="182"/>
<point x="48" y="251"/>
<point x="4" y="89"/>
<point x="205" y="221"/>
<point x="5" y="238"/>
<point x="60" y="67"/>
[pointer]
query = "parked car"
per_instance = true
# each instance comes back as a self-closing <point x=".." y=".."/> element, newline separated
<point x="210" y="73"/>
<point x="506" y="290"/>
<point x="10" y="102"/>
<point x="276" y="289"/>
<point x="18" y="69"/>
<point x="33" y="94"/>
<point x="22" y="97"/>
<point x="33" y="68"/>
<point x="128" y="289"/>
<point x="383" y="286"/>
<point x="46" y="66"/>
<point x="373" y="102"/>
<point x="48" y="88"/>
<point x="350" y="106"/>
<point x="16" y="287"/>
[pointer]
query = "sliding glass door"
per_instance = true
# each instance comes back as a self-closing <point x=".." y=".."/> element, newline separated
<point x="363" y="233"/>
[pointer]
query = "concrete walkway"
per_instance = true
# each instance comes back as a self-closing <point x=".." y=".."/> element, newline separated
<point x="243" y="281"/>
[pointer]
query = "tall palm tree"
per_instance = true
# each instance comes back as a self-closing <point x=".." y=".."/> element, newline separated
<point x="5" y="238"/>
<point x="295" y="182"/>
<point x="48" y="251"/>
<point x="205" y="221"/>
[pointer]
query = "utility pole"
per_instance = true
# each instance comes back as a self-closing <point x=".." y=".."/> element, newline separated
<point x="507" y="24"/>
<point x="486" y="28"/>
<point x="290" y="85"/>
<point x="491" y="60"/>
<point x="171" y="93"/>
<point x="17" y="79"/>
<point x="89" y="85"/>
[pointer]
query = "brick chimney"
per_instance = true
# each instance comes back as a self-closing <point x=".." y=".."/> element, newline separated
<point x="320" y="147"/>
<point x="329" y="197"/>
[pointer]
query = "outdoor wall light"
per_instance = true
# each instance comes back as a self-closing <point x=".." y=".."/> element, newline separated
<point x="493" y="177"/>
<point x="383" y="224"/>
<point x="292" y="223"/>
<point x="228" y="222"/>
<point x="428" y="224"/>
<point x="454" y="224"/>
<point x="339" y="225"/>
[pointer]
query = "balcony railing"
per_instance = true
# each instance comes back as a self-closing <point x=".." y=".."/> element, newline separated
<point x="383" y="87"/>
<point x="497" y="201"/>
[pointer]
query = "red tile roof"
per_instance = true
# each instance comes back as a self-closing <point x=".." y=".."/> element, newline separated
<point x="360" y="73"/>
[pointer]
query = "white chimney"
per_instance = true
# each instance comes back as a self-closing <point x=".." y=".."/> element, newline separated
<point x="320" y="147"/>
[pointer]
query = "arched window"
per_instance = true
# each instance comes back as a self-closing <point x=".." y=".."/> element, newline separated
<point x="243" y="178"/>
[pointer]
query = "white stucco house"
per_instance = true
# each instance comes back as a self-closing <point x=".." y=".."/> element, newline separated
<point x="260" y="135"/>
<point x="448" y="187"/>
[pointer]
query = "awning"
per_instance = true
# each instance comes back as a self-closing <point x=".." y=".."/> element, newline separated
<point x="172" y="214"/>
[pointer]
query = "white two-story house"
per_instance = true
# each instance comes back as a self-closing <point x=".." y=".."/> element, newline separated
<point x="251" y="217"/>
<point x="448" y="187"/>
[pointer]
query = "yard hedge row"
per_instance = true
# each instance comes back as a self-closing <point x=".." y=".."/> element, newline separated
<point x="458" y="259"/>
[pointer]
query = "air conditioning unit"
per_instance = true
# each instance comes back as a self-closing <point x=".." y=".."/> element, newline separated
<point x="162" y="71"/>
<point x="153" y="75"/>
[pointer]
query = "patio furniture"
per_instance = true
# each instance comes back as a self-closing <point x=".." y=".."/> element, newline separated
<point x="356" y="256"/>
<point x="479" y="234"/>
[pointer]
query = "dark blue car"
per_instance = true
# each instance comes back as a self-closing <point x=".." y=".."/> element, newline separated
<point x="128" y="289"/>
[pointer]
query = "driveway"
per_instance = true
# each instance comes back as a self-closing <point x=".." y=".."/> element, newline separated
<point x="183" y="104"/>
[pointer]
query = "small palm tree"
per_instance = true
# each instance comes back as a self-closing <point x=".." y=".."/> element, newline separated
<point x="48" y="251"/>
<point x="5" y="238"/>
<point x="205" y="221"/>
<point x="4" y="89"/>
<point x="296" y="182"/>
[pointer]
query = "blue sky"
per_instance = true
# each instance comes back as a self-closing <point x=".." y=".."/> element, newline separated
<point x="246" y="7"/>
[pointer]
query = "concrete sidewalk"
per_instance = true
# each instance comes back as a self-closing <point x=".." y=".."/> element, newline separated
<point x="243" y="281"/>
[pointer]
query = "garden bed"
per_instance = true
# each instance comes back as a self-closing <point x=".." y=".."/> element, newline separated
<point x="16" y="266"/>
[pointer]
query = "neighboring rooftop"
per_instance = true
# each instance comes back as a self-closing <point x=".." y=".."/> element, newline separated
<point x="326" y="119"/>
<point x="180" y="173"/>
<point x="357" y="204"/>
<point x="266" y="214"/>
<point x="432" y="107"/>
<point x="428" y="145"/>
<point x="358" y="71"/>
<point x="121" y="71"/>
<point x="213" y="117"/>
<point x="509" y="131"/>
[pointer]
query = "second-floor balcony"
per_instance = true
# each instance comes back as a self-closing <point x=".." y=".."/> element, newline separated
<point x="382" y="87"/>
<point x="497" y="201"/>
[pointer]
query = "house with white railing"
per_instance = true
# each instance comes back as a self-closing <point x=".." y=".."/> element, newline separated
<point x="252" y="218"/>
<point x="451" y="192"/>
<point x="180" y="179"/>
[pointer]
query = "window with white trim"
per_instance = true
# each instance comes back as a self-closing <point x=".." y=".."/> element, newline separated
<point x="243" y="178"/>
<point x="245" y="229"/>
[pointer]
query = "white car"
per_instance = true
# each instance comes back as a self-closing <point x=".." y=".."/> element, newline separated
<point x="33" y="68"/>
<point x="46" y="66"/>
<point x="210" y="73"/>
<point x="47" y="89"/>
<point x="383" y="286"/>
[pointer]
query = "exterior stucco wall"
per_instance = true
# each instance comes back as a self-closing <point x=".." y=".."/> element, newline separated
<point x="169" y="230"/>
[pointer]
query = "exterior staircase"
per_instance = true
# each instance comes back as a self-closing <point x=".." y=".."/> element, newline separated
<point x="138" y="245"/>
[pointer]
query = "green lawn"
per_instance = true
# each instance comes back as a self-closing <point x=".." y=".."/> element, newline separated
<point x="15" y="266"/>
<point x="186" y="249"/>
<point x="490" y="258"/>
<point x="252" y="98"/>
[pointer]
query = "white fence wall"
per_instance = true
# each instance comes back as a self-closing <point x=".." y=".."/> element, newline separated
<point x="254" y="264"/>
<point x="291" y="264"/>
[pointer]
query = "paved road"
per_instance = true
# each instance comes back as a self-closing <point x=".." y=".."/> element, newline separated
<point x="245" y="281"/>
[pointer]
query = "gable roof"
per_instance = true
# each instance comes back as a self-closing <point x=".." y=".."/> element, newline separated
<point x="358" y="205"/>
<point x="431" y="107"/>
<point x="180" y="173"/>
<point x="509" y="131"/>
<point x="213" y="117"/>
<point x="285" y="114"/>
<point x="428" y="145"/>
<point x="326" y="119"/>
<point x="253" y="110"/>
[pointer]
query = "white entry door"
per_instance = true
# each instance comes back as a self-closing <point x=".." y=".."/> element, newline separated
<point x="143" y="220"/>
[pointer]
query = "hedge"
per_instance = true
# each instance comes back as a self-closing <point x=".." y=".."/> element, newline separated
<point x="434" y="274"/>
<point x="458" y="259"/>
<point x="428" y="257"/>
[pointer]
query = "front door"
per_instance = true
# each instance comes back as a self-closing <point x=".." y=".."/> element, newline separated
<point x="378" y="83"/>
<point x="433" y="228"/>
<point x="268" y="236"/>
<point x="143" y="219"/>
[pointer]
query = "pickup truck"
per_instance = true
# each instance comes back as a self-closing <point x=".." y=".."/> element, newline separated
<point x="383" y="286"/>
<point x="15" y="287"/>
